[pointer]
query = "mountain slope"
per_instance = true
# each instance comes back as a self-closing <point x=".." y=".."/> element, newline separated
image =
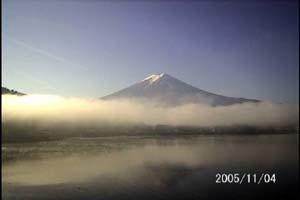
<point x="167" y="90"/>
<point x="5" y="90"/>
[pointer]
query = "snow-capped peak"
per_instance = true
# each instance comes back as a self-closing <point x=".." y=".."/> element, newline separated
<point x="166" y="90"/>
<point x="154" y="77"/>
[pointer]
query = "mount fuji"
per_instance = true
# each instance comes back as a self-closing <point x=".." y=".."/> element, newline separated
<point x="166" y="90"/>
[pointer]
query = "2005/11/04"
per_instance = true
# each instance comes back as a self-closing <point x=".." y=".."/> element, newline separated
<point x="238" y="178"/>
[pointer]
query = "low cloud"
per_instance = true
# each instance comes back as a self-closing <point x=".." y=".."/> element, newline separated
<point x="51" y="109"/>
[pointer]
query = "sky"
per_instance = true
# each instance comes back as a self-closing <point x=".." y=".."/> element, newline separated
<point x="94" y="48"/>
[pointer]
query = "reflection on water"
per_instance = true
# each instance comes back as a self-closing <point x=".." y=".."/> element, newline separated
<point x="149" y="167"/>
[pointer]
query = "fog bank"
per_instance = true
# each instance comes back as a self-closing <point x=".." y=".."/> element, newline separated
<point x="49" y="109"/>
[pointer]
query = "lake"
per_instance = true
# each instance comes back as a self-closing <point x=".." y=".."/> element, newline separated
<point x="148" y="167"/>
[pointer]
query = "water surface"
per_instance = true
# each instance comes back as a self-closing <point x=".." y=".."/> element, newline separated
<point x="150" y="167"/>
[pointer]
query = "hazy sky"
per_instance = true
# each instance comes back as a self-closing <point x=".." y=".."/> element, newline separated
<point x="93" y="48"/>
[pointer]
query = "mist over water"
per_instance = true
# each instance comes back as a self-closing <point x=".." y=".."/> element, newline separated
<point x="48" y="109"/>
<point x="140" y="167"/>
<point x="132" y="166"/>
